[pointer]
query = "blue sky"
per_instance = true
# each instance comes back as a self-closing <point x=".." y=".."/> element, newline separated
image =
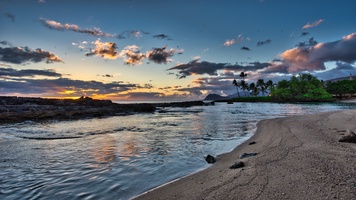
<point x="168" y="50"/>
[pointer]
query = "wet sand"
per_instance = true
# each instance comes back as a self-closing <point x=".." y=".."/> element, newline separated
<point x="297" y="158"/>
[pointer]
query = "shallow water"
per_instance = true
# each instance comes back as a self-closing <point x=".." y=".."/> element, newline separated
<point x="122" y="156"/>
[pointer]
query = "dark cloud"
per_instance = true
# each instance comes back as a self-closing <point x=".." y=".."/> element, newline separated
<point x="58" y="87"/>
<point x="309" y="43"/>
<point x="162" y="36"/>
<point x="28" y="73"/>
<point x="10" y="16"/>
<point x="160" y="55"/>
<point x="107" y="76"/>
<point x="244" y="48"/>
<point x="131" y="34"/>
<point x="20" y="55"/>
<point x="260" y="43"/>
<point x="6" y="43"/>
<point x="304" y="34"/>
<point x="196" y="67"/>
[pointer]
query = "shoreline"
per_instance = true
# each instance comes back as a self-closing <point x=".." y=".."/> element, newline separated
<point x="297" y="157"/>
<point x="19" y="109"/>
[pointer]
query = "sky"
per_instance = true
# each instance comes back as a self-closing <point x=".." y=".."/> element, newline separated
<point x="139" y="50"/>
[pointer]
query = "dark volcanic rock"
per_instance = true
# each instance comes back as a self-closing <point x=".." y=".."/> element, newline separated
<point x="251" y="143"/>
<point x="245" y="155"/>
<point x="350" y="137"/>
<point x="210" y="159"/>
<point x="237" y="165"/>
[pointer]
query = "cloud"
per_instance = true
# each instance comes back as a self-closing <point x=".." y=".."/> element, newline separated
<point x="51" y="24"/>
<point x="162" y="36"/>
<point x="131" y="34"/>
<point x="244" y="48"/>
<point x="260" y="43"/>
<point x="10" y="16"/>
<point x="311" y="58"/>
<point x="132" y="55"/>
<point x="41" y="1"/>
<point x="9" y="72"/>
<point x="304" y="34"/>
<point x="160" y="55"/>
<point x="6" y="43"/>
<point x="21" y="55"/>
<point x="229" y="42"/>
<point x="196" y="67"/>
<point x="61" y="87"/>
<point x="105" y="50"/>
<point x="313" y="24"/>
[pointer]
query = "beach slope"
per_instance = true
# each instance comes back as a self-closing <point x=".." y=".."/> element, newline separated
<point x="297" y="158"/>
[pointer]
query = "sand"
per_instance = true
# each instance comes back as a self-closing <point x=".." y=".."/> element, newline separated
<point x="297" y="158"/>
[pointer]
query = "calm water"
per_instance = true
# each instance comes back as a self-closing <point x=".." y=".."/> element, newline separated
<point x="122" y="156"/>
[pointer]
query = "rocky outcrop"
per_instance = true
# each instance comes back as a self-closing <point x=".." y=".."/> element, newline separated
<point x="350" y="137"/>
<point x="17" y="109"/>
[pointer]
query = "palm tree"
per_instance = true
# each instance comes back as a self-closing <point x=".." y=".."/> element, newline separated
<point x="237" y="85"/>
<point x="243" y="75"/>
<point x="262" y="85"/>
<point x="244" y="86"/>
<point x="253" y="89"/>
<point x="269" y="85"/>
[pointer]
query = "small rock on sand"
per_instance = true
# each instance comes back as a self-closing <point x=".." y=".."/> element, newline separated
<point x="350" y="137"/>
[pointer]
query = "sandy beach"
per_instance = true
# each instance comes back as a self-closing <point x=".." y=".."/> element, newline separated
<point x="297" y="158"/>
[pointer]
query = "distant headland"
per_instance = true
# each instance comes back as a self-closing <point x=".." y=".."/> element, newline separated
<point x="18" y="109"/>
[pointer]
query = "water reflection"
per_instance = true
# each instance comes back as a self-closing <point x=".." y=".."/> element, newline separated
<point x="104" y="150"/>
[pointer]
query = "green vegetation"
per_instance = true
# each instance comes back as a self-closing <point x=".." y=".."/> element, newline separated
<point x="342" y="88"/>
<point x="304" y="87"/>
<point x="300" y="88"/>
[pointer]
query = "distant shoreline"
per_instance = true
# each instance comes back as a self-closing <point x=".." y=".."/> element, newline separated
<point x="18" y="109"/>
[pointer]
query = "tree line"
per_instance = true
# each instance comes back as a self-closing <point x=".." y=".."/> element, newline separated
<point x="252" y="89"/>
<point x="301" y="87"/>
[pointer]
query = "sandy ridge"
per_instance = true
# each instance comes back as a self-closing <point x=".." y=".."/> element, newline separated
<point x="298" y="158"/>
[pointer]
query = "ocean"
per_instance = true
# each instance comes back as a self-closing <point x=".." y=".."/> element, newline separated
<point x="119" y="157"/>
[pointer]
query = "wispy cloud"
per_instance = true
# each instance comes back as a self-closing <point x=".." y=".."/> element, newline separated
<point x="10" y="16"/>
<point x="10" y="72"/>
<point x="313" y="24"/>
<point x="162" y="36"/>
<point x="21" y="55"/>
<point x="230" y="42"/>
<point x="260" y="43"/>
<point x="51" y="24"/>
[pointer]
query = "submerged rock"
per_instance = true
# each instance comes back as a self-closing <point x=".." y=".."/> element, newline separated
<point x="237" y="165"/>
<point x="350" y="137"/>
<point x="245" y="155"/>
<point x="210" y="159"/>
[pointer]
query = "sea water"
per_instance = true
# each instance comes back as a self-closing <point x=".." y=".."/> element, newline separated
<point x="120" y="157"/>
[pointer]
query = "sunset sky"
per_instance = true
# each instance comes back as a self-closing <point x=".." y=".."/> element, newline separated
<point x="168" y="50"/>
